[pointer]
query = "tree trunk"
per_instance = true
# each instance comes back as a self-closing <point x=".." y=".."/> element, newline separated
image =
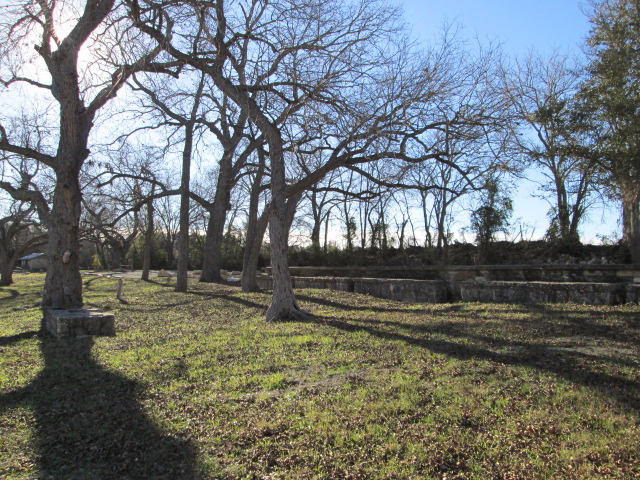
<point x="255" y="236"/>
<point x="443" y="243"/>
<point x="317" y="220"/>
<point x="326" y="232"/>
<point x="428" y="242"/>
<point x="183" y="238"/>
<point x="104" y="264"/>
<point x="256" y="228"/>
<point x="578" y="208"/>
<point x="6" y="271"/>
<point x="169" y="248"/>
<point x="562" y="205"/>
<point x="349" y="225"/>
<point x="290" y="212"/>
<point x="363" y="217"/>
<point x="212" y="253"/>
<point x="401" y="238"/>
<point x="63" y="283"/>
<point x="315" y="233"/>
<point x="631" y="221"/>
<point x="384" y="241"/>
<point x="283" y="302"/>
<point x="148" y="240"/>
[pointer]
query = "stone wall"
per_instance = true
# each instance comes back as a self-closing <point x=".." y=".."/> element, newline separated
<point x="456" y="273"/>
<point x="582" y="284"/>
<point x="404" y="290"/>
<point x="330" y="283"/>
<point x="419" y="291"/>
<point x="544" y="292"/>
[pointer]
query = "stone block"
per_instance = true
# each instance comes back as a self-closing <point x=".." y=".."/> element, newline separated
<point x="265" y="283"/>
<point x="633" y="293"/>
<point x="78" y="322"/>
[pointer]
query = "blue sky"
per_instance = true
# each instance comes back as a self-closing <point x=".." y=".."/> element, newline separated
<point x="518" y="25"/>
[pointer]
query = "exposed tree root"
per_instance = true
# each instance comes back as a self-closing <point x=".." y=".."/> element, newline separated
<point x="292" y="313"/>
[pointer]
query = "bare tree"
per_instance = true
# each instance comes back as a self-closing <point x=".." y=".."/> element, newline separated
<point x="180" y="107"/>
<point x="256" y="223"/>
<point x="20" y="234"/>
<point x="81" y="81"/>
<point x="238" y="143"/>
<point x="320" y="200"/>
<point x="234" y="35"/>
<point x="541" y="91"/>
<point x="338" y="78"/>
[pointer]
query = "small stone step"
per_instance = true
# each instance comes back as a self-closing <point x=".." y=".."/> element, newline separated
<point x="78" y="322"/>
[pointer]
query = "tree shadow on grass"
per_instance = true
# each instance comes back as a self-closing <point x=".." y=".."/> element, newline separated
<point x="192" y="301"/>
<point x="333" y="304"/>
<point x="577" y="368"/>
<point x="12" y="294"/>
<point x="11" y="339"/>
<point x="90" y="425"/>
<point x="230" y="298"/>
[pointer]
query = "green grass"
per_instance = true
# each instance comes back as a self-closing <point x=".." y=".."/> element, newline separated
<point x="197" y="385"/>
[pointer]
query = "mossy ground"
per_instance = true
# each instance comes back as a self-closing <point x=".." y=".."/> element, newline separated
<point x="198" y="385"/>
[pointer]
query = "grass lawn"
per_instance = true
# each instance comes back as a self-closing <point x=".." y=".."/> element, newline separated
<point x="197" y="385"/>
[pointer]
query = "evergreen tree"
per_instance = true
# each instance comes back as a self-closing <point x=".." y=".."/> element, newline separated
<point x="611" y="96"/>
<point x="491" y="218"/>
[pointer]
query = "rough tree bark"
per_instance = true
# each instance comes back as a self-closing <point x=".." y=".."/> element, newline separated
<point x="148" y="239"/>
<point x="255" y="235"/>
<point x="212" y="252"/>
<point x="631" y="220"/>
<point x="18" y="237"/>
<point x="230" y="133"/>
<point x="6" y="271"/>
<point x="183" y="238"/>
<point x="256" y="229"/>
<point x="63" y="284"/>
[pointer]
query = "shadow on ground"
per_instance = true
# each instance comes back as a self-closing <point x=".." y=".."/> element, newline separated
<point x="90" y="424"/>
<point x="467" y="341"/>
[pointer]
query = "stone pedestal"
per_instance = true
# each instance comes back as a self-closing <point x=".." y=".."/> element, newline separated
<point x="78" y="322"/>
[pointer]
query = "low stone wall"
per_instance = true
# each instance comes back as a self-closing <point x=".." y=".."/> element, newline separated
<point x="417" y="291"/>
<point x="544" y="292"/>
<point x="610" y="273"/>
<point x="264" y="282"/>
<point x="582" y="284"/>
<point x="330" y="283"/>
<point x="454" y="275"/>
